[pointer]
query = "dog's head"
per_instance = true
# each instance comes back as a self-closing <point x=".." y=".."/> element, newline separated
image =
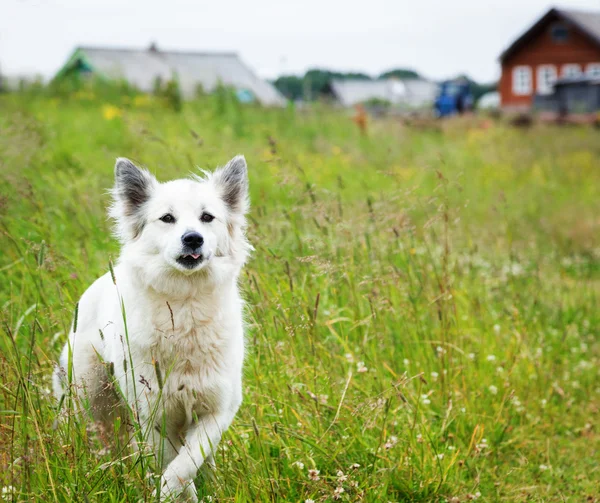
<point x="182" y="226"/>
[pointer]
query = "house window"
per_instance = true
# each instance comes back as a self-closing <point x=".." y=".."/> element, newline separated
<point x="571" y="70"/>
<point x="559" y="33"/>
<point x="546" y="76"/>
<point x="521" y="80"/>
<point x="593" y="70"/>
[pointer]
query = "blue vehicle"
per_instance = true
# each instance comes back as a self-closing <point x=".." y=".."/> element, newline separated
<point x="455" y="97"/>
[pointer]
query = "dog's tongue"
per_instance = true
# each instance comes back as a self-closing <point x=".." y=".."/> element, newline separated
<point x="195" y="256"/>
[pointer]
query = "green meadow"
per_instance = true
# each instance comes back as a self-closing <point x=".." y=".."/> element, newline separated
<point x="423" y="319"/>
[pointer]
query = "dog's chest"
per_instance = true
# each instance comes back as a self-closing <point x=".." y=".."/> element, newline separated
<point x="189" y="348"/>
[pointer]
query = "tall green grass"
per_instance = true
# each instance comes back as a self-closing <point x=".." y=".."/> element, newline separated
<point x="422" y="305"/>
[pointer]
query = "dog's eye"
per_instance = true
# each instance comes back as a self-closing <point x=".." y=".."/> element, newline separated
<point x="167" y="218"/>
<point x="207" y="217"/>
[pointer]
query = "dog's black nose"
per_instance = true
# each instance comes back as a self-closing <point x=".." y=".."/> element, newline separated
<point x="192" y="239"/>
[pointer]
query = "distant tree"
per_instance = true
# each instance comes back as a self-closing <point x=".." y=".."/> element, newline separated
<point x="317" y="82"/>
<point x="479" y="89"/>
<point x="290" y="86"/>
<point x="314" y="84"/>
<point x="400" y="73"/>
<point x="353" y="76"/>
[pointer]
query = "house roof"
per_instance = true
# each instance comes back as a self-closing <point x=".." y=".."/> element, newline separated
<point x="409" y="92"/>
<point x="141" y="68"/>
<point x="586" y="21"/>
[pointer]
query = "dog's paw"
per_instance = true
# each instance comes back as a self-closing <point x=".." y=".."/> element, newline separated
<point x="175" y="489"/>
<point x="190" y="494"/>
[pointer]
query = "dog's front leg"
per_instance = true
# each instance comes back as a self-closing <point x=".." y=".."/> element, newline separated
<point x="200" y="443"/>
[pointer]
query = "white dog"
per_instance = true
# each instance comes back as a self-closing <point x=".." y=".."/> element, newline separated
<point x="166" y="332"/>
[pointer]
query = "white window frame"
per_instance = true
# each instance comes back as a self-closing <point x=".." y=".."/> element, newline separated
<point x="593" y="70"/>
<point x="546" y="76"/>
<point x="522" y="80"/>
<point x="571" y="70"/>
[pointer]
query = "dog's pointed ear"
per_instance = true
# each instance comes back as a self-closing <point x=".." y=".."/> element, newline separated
<point x="133" y="187"/>
<point x="232" y="183"/>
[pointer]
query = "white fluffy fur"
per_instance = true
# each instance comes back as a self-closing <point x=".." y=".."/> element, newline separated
<point x="189" y="321"/>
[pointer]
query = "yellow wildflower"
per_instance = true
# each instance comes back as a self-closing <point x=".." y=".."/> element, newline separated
<point x="110" y="112"/>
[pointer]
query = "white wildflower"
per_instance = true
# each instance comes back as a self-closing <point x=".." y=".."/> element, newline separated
<point x="516" y="269"/>
<point x="585" y="365"/>
<point x="7" y="491"/>
<point x="392" y="441"/>
<point x="517" y="404"/>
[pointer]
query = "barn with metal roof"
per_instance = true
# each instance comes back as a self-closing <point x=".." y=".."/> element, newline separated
<point x="402" y="93"/>
<point x="141" y="68"/>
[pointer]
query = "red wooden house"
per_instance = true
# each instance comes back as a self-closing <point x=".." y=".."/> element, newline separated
<point x="563" y="43"/>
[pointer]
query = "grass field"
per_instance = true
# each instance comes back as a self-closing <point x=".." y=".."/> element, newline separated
<point x="423" y="305"/>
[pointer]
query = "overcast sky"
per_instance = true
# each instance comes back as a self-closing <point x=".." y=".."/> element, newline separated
<point x="437" y="38"/>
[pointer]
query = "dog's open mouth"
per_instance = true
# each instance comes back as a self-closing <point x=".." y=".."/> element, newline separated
<point x="190" y="260"/>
